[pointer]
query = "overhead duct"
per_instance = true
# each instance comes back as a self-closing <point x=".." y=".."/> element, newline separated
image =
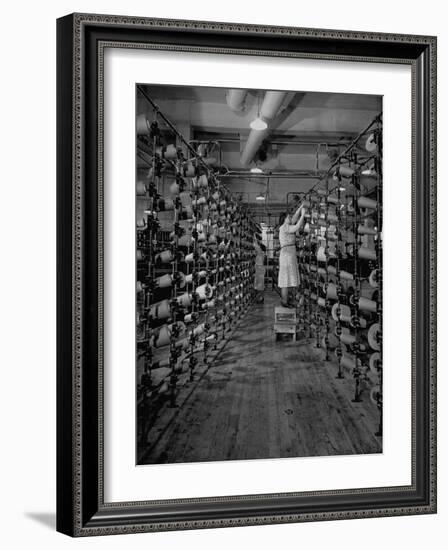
<point x="253" y="143"/>
<point x="236" y="99"/>
<point x="271" y="104"/>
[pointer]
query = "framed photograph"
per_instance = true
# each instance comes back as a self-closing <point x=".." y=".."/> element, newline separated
<point x="246" y="274"/>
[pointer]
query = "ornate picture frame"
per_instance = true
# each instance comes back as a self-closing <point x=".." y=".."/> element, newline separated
<point x="81" y="42"/>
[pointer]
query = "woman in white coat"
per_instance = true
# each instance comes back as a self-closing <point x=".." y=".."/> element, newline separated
<point x="288" y="274"/>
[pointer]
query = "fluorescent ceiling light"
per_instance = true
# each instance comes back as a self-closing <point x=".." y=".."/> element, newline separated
<point x="260" y="198"/>
<point x="258" y="124"/>
<point x="256" y="170"/>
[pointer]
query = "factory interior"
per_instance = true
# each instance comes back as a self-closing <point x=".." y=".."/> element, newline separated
<point x="258" y="274"/>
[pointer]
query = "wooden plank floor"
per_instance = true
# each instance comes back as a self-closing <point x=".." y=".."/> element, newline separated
<point x="265" y="399"/>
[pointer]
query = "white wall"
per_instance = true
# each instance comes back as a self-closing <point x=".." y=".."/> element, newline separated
<point x="27" y="400"/>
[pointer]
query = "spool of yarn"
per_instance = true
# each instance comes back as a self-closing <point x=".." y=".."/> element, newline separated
<point x="362" y="323"/>
<point x="184" y="300"/>
<point x="371" y="143"/>
<point x="345" y="312"/>
<point x="139" y="286"/>
<point x="139" y="255"/>
<point x="185" y="199"/>
<point x="201" y="181"/>
<point x="349" y="339"/>
<point x="165" y="281"/>
<point x="345" y="171"/>
<point x="162" y="336"/>
<point x="189" y="258"/>
<point x="342" y="330"/>
<point x="189" y="278"/>
<point x="345" y="275"/>
<point x="174" y="188"/>
<point x="331" y="291"/>
<point x="369" y="172"/>
<point x="374" y="336"/>
<point x="375" y="362"/>
<point x="366" y="230"/>
<point x="141" y="223"/>
<point x="140" y="188"/>
<point x="199" y="200"/>
<point x="365" y="202"/>
<point x="143" y="126"/>
<point x="364" y="304"/>
<point x="366" y="253"/>
<point x="170" y="152"/>
<point x="204" y="291"/>
<point x="185" y="240"/>
<point x="321" y="257"/>
<point x="197" y="331"/>
<point x="321" y="302"/>
<point x="160" y="310"/>
<point x="373" y="278"/>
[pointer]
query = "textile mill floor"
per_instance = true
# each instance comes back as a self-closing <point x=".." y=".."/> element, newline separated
<point x="263" y="398"/>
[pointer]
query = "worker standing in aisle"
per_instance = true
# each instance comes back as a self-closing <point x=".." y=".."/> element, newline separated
<point x="288" y="274"/>
<point x="260" y="270"/>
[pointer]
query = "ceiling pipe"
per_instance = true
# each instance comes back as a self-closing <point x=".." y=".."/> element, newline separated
<point x="271" y="104"/>
<point x="236" y="99"/>
<point x="269" y="109"/>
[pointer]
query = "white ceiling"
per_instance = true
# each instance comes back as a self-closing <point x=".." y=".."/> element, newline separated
<point x="203" y="113"/>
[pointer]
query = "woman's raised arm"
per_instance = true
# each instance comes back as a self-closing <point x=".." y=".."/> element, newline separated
<point x="296" y="215"/>
<point x="295" y="227"/>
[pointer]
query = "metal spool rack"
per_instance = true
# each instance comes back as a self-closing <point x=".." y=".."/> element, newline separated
<point x="340" y="265"/>
<point x="195" y="263"/>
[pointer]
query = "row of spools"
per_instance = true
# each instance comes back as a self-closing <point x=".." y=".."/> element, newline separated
<point x="195" y="267"/>
<point x="340" y="263"/>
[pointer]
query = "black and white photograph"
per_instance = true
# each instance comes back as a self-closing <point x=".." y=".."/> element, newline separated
<point x="258" y="274"/>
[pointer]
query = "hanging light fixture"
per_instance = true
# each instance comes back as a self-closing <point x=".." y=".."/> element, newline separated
<point x="259" y="123"/>
<point x="260" y="197"/>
